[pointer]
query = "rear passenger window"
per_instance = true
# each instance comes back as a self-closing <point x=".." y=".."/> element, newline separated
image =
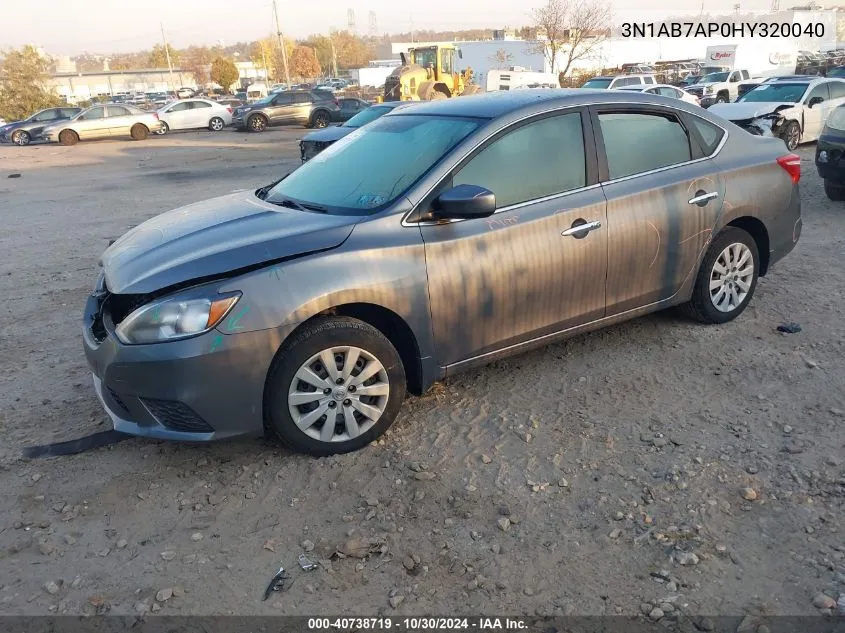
<point x="302" y="97"/>
<point x="648" y="80"/>
<point x="711" y="134"/>
<point x="837" y="89"/>
<point x="539" y="159"/>
<point x="637" y="142"/>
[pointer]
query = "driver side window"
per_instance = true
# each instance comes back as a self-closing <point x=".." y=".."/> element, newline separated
<point x="94" y="113"/>
<point x="536" y="160"/>
<point x="819" y="91"/>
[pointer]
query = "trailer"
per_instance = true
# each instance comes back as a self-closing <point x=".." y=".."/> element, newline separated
<point x="516" y="78"/>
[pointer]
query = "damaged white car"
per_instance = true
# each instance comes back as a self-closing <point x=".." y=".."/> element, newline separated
<point x="793" y="108"/>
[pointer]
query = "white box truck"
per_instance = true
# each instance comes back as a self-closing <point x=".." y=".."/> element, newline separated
<point x="744" y="62"/>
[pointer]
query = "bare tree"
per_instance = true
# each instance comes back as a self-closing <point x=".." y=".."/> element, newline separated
<point x="572" y="30"/>
<point x="501" y="57"/>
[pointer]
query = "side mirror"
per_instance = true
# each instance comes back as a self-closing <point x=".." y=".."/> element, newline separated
<point x="465" y="202"/>
<point x="460" y="54"/>
<point x="814" y="101"/>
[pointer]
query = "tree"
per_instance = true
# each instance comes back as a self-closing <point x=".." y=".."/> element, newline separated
<point x="158" y="56"/>
<point x="196" y="60"/>
<point x="303" y="63"/>
<point x="570" y="28"/>
<point x="352" y="51"/>
<point x="119" y="64"/>
<point x="261" y="54"/>
<point x="322" y="46"/>
<point x="224" y="72"/>
<point x="23" y="84"/>
<point x="501" y="57"/>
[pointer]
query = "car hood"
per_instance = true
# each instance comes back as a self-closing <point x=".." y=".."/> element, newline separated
<point x="216" y="237"/>
<point x="328" y="134"/>
<point x="747" y="110"/>
<point x="11" y="126"/>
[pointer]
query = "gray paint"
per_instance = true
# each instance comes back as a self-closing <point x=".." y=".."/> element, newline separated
<point x="468" y="291"/>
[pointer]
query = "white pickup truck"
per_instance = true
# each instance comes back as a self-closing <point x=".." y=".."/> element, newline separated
<point x="719" y="87"/>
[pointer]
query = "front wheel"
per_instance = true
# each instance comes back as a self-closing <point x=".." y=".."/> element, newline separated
<point x="791" y="135"/>
<point x="834" y="191"/>
<point x="727" y="278"/>
<point x="257" y="123"/>
<point x="721" y="99"/>
<point x="68" y="137"/>
<point x="21" y="137"/>
<point x="335" y="387"/>
<point x="164" y="129"/>
<point x="216" y="124"/>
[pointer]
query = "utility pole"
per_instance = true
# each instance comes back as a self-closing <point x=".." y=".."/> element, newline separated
<point x="282" y="44"/>
<point x="167" y="52"/>
<point x="266" y="70"/>
<point x="334" y="59"/>
<point x="412" y="28"/>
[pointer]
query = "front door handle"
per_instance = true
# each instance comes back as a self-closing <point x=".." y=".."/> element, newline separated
<point x="580" y="228"/>
<point x="702" y="197"/>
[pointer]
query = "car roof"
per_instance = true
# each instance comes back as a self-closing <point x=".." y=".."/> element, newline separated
<point x="495" y="104"/>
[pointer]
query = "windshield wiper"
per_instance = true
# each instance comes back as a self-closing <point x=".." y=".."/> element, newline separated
<point x="290" y="203"/>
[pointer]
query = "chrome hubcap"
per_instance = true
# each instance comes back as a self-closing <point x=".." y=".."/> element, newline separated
<point x="338" y="394"/>
<point x="217" y="125"/>
<point x="731" y="277"/>
<point x="20" y="138"/>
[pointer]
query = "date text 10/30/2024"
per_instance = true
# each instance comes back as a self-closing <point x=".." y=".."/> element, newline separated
<point x="723" y="29"/>
<point x="416" y="624"/>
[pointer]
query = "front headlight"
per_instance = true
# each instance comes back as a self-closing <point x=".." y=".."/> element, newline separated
<point x="173" y="319"/>
<point x="708" y="90"/>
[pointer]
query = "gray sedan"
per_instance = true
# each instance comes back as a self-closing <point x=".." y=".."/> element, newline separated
<point x="104" y="121"/>
<point x="431" y="241"/>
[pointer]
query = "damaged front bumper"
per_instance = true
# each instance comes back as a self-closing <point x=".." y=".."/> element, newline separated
<point x="771" y="125"/>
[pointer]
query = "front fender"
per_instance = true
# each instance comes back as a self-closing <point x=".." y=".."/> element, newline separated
<point x="381" y="263"/>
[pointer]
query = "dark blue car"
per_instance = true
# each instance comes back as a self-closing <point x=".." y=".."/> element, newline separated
<point x="28" y="130"/>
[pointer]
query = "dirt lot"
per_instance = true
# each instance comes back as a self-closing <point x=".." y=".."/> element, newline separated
<point x="572" y="480"/>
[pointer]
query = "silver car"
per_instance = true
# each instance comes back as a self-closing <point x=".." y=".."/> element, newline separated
<point x="104" y="121"/>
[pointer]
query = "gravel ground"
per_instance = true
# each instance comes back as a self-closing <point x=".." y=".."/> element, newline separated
<point x="657" y="467"/>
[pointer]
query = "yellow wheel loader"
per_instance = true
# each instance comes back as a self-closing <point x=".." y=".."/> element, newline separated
<point x="429" y="73"/>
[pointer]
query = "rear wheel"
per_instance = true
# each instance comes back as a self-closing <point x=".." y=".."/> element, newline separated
<point x="320" y="119"/>
<point x="164" y="129"/>
<point x="68" y="137"/>
<point x="436" y="95"/>
<point x="727" y="278"/>
<point x="334" y="388"/>
<point x="21" y="137"/>
<point x="834" y="190"/>
<point x="216" y="124"/>
<point x="139" y="132"/>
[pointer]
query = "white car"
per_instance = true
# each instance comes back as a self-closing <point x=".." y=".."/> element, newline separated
<point x="193" y="114"/>
<point x="665" y="90"/>
<point x="794" y="108"/>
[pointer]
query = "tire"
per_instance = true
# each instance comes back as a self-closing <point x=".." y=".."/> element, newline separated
<point x="792" y="135"/>
<point x="139" y="132"/>
<point x="256" y="123"/>
<point x="21" y="137"/>
<point x="320" y="119"/>
<point x="702" y="306"/>
<point x="68" y="137"/>
<point x="436" y="95"/>
<point x="721" y="99"/>
<point x="834" y="191"/>
<point x="164" y="129"/>
<point x="333" y="335"/>
<point x="216" y="124"/>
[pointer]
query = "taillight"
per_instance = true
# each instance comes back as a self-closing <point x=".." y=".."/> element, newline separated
<point x="229" y="109"/>
<point x="792" y="164"/>
<point x="155" y="114"/>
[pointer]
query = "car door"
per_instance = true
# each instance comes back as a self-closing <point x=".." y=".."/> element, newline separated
<point x="280" y="109"/>
<point x="92" y="124"/>
<point x="538" y="265"/>
<point x="178" y="115"/>
<point x="43" y="119"/>
<point x="200" y="114"/>
<point x="302" y="103"/>
<point x="815" y="112"/>
<point x="349" y="108"/>
<point x="119" y="119"/>
<point x="664" y="194"/>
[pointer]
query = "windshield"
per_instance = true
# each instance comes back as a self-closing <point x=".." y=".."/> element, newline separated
<point x="425" y="57"/>
<point x="714" y="77"/>
<point x="603" y="82"/>
<point x="775" y="92"/>
<point x="264" y="101"/>
<point x="837" y="72"/>
<point x="374" y="165"/>
<point x="365" y="116"/>
<point x="836" y="120"/>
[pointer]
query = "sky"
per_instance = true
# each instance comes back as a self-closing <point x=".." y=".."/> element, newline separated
<point x="69" y="27"/>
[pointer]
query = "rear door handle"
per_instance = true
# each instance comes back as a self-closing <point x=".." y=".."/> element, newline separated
<point x="702" y="197"/>
<point x="580" y="228"/>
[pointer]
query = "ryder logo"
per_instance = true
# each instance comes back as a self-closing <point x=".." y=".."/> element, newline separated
<point x="780" y="59"/>
<point x="720" y="56"/>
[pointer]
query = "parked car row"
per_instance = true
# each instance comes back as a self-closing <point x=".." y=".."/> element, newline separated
<point x="311" y="108"/>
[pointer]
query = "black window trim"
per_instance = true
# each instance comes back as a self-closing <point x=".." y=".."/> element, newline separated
<point x="681" y="115"/>
<point x="416" y="217"/>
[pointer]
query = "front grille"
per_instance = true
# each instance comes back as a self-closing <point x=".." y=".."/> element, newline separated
<point x="311" y="148"/>
<point x="116" y="400"/>
<point x="177" y="416"/>
<point x="698" y="92"/>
